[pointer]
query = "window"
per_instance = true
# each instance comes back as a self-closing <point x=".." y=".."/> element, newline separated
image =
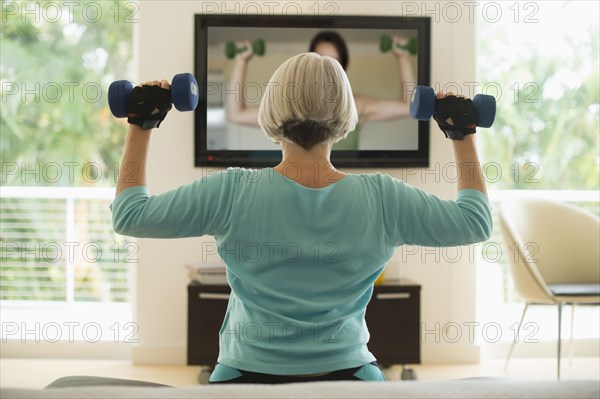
<point x="540" y="59"/>
<point x="60" y="151"/>
<point x="544" y="70"/>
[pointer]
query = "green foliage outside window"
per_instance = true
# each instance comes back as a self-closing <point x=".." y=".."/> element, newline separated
<point x="547" y="127"/>
<point x="55" y="73"/>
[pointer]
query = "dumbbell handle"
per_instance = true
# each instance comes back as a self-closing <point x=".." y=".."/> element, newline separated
<point x="406" y="46"/>
<point x="231" y="48"/>
<point x="423" y="101"/>
<point x="241" y="49"/>
<point x="387" y="43"/>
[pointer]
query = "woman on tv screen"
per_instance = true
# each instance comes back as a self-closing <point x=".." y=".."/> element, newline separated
<point x="332" y="44"/>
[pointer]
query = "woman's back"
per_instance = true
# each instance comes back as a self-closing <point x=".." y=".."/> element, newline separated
<point x="301" y="274"/>
<point x="302" y="256"/>
<point x="301" y="261"/>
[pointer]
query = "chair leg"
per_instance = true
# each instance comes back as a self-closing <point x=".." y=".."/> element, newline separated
<point x="512" y="345"/>
<point x="571" y="349"/>
<point x="560" y="306"/>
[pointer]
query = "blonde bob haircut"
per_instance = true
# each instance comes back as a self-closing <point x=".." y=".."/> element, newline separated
<point x="308" y="101"/>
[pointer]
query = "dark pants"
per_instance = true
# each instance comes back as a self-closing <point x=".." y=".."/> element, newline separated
<point x="361" y="373"/>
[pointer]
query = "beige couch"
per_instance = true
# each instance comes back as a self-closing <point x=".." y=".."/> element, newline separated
<point x="469" y="388"/>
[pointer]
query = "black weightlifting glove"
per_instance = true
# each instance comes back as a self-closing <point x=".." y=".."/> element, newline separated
<point x="455" y="116"/>
<point x="143" y="101"/>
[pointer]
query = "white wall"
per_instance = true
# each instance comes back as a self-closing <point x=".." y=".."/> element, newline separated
<point x="164" y="48"/>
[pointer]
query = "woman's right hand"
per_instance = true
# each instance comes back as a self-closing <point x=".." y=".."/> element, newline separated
<point x="440" y="95"/>
<point x="244" y="55"/>
<point x="400" y="52"/>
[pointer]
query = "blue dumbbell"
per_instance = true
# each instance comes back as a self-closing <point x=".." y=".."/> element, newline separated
<point x="422" y="106"/>
<point x="184" y="93"/>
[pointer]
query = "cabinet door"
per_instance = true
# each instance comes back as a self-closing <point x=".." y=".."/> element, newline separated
<point x="206" y="309"/>
<point x="393" y="320"/>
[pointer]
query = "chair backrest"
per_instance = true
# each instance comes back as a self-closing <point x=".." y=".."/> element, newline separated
<point x="556" y="242"/>
<point x="528" y="281"/>
<point x="561" y="239"/>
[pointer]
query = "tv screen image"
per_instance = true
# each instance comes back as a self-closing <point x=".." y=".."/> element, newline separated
<point x="236" y="56"/>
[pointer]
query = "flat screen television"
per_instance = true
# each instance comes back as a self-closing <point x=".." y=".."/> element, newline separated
<point x="225" y="137"/>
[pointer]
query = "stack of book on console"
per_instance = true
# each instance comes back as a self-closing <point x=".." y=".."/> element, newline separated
<point x="207" y="273"/>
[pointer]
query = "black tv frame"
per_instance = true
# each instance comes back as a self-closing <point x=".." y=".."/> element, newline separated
<point x="345" y="158"/>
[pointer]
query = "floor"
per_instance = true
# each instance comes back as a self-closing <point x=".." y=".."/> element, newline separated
<point x="37" y="373"/>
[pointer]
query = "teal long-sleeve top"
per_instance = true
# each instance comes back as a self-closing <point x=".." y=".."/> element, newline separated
<point x="301" y="262"/>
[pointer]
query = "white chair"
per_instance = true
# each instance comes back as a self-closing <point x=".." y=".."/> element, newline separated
<point x="555" y="255"/>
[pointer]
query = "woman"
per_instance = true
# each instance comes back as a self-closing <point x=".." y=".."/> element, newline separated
<point x="303" y="242"/>
<point x="332" y="44"/>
